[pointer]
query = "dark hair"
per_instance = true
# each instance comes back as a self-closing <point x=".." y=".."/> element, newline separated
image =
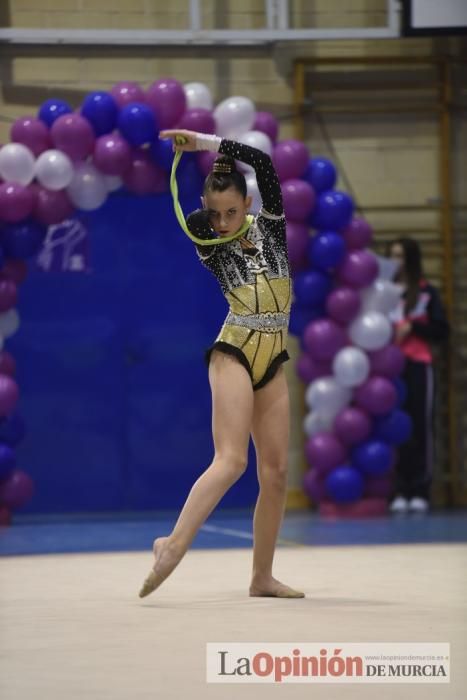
<point x="413" y="268"/>
<point x="224" y="174"/>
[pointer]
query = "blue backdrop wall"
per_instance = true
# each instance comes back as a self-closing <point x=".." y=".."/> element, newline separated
<point x="114" y="389"/>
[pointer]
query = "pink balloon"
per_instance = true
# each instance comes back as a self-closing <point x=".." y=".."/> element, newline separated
<point x="144" y="176"/>
<point x="323" y="338"/>
<point x="299" y="199"/>
<point x="8" y="295"/>
<point x="358" y="234"/>
<point x="197" y="119"/>
<point x="167" y="100"/>
<point x="379" y="487"/>
<point x="290" y="158"/>
<point x="315" y="485"/>
<point x="205" y="161"/>
<point x="31" y="132"/>
<point x="112" y="154"/>
<point x="15" y="270"/>
<point x="324" y="452"/>
<point x="9" y="395"/>
<point x="352" y="425"/>
<point x="376" y="396"/>
<point x="7" y="363"/>
<point x="267" y="123"/>
<point x="359" y="269"/>
<point x="51" y="207"/>
<point x="309" y="369"/>
<point x="343" y="304"/>
<point x="16" y="490"/>
<point x="298" y="238"/>
<point x="16" y="202"/>
<point x="126" y="92"/>
<point x="74" y="135"/>
<point x="387" y="362"/>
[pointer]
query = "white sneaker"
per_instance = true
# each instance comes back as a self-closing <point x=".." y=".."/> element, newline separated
<point x="418" y="505"/>
<point x="399" y="505"/>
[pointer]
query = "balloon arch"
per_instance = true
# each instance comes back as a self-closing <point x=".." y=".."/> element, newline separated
<point x="64" y="160"/>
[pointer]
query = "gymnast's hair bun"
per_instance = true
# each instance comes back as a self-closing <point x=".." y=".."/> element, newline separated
<point x="224" y="165"/>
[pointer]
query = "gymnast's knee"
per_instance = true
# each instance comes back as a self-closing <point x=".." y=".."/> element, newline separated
<point x="233" y="463"/>
<point x="273" y="476"/>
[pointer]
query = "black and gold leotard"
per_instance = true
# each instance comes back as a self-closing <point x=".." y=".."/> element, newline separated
<point x="254" y="274"/>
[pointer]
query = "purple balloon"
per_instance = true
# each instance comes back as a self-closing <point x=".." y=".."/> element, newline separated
<point x="387" y="362"/>
<point x="17" y="490"/>
<point x="359" y="269"/>
<point x="299" y="199"/>
<point x="144" y="176"/>
<point x="309" y="369"/>
<point x="112" y="154"/>
<point x="290" y="159"/>
<point x="31" y="132"/>
<point x="352" y="425"/>
<point x="324" y="452"/>
<point x="14" y="269"/>
<point x="298" y="238"/>
<point x="16" y="202"/>
<point x="377" y="396"/>
<point x="9" y="395"/>
<point x="323" y="338"/>
<point x="167" y="100"/>
<point x="205" y="161"/>
<point x="74" y="135"/>
<point x="358" y="234"/>
<point x="8" y="295"/>
<point x="314" y="485"/>
<point x="343" y="304"/>
<point x="197" y="119"/>
<point x="7" y="363"/>
<point x="267" y="123"/>
<point x="51" y="207"/>
<point x="126" y="92"/>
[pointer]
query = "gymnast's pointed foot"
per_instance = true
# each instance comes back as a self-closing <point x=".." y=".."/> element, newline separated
<point x="166" y="558"/>
<point x="272" y="588"/>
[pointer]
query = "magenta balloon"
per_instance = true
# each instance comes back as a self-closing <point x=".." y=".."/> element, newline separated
<point x="298" y="238"/>
<point x="267" y="123"/>
<point x="379" y="487"/>
<point x="197" y="119"/>
<point x="343" y="304"/>
<point x="31" y="132"/>
<point x="324" y="452"/>
<point x="8" y="295"/>
<point x="299" y="199"/>
<point x="7" y="364"/>
<point x="126" y="92"/>
<point x="112" y="154"/>
<point x="314" y="485"/>
<point x="358" y="234"/>
<point x="74" y="135"/>
<point x="205" y="160"/>
<point x="323" y="338"/>
<point x="308" y="369"/>
<point x="51" y="207"/>
<point x="16" y="490"/>
<point x="387" y="362"/>
<point x="9" y="395"/>
<point x="16" y="201"/>
<point x="144" y="176"/>
<point x="352" y="425"/>
<point x="359" y="269"/>
<point x="15" y="270"/>
<point x="167" y="100"/>
<point x="377" y="396"/>
<point x="290" y="159"/>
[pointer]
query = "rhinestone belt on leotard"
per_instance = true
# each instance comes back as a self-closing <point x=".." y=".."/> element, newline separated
<point x="268" y="321"/>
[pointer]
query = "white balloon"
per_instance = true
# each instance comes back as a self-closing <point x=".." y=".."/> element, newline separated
<point x="316" y="423"/>
<point x="88" y="189"/>
<point x="253" y="191"/>
<point x="9" y="323"/>
<point x="256" y="139"/>
<point x="113" y="182"/>
<point x="351" y="366"/>
<point x="234" y="116"/>
<point x="327" y="396"/>
<point x="381" y="296"/>
<point x="198" y="96"/>
<point x="54" y="169"/>
<point x="370" y="330"/>
<point x="16" y="163"/>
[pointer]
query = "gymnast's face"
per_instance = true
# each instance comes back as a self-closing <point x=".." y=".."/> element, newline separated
<point x="227" y="210"/>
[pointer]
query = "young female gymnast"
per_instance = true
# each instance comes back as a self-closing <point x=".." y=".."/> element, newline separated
<point x="248" y="384"/>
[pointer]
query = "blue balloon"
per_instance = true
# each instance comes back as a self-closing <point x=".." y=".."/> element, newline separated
<point x="312" y="287"/>
<point x="24" y="239"/>
<point x="137" y="124"/>
<point x="101" y="110"/>
<point x="52" y="109"/>
<point x="301" y="316"/>
<point x="394" y="428"/>
<point x="7" y="461"/>
<point x="326" y="250"/>
<point x="321" y="174"/>
<point x="345" y="484"/>
<point x="333" y="211"/>
<point x="161" y="151"/>
<point x="401" y="388"/>
<point x="12" y="429"/>
<point x="372" y="457"/>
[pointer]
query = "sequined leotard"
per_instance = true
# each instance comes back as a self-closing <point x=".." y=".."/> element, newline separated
<point x="254" y="274"/>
